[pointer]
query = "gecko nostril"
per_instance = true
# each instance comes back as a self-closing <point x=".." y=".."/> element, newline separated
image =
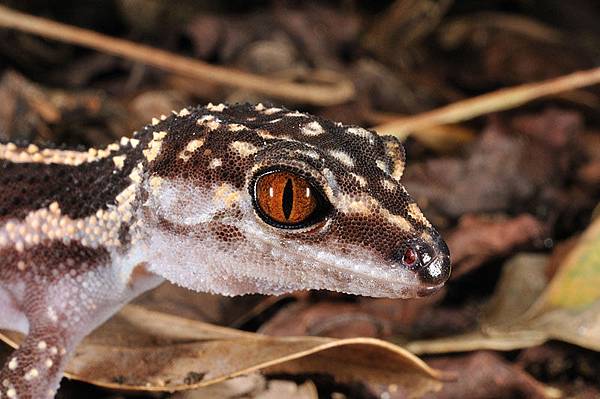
<point x="409" y="258"/>
<point x="429" y="259"/>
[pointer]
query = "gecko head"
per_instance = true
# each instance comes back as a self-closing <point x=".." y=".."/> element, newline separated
<point x="354" y="223"/>
<point x="284" y="201"/>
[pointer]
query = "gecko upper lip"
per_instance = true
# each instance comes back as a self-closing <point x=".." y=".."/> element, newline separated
<point x="435" y="272"/>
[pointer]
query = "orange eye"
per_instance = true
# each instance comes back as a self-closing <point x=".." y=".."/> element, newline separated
<point x="285" y="199"/>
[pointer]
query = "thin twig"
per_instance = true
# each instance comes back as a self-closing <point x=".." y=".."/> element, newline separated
<point x="334" y="91"/>
<point x="499" y="100"/>
<point x="440" y="138"/>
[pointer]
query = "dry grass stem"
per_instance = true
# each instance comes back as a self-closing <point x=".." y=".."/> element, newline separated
<point x="333" y="91"/>
<point x="499" y="100"/>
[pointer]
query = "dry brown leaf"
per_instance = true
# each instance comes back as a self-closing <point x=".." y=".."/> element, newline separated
<point x="503" y="172"/>
<point x="526" y="312"/>
<point x="287" y="389"/>
<point x="253" y="386"/>
<point x="476" y="239"/>
<point x="487" y="375"/>
<point x="145" y="350"/>
<point x="244" y="386"/>
<point x="209" y="308"/>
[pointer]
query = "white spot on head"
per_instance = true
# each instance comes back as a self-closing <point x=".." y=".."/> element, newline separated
<point x="264" y="134"/>
<point x="42" y="345"/>
<point x="216" y="108"/>
<point x="360" y="132"/>
<point x="296" y="113"/>
<point x="190" y="148"/>
<point x="272" y="111"/>
<point x="209" y="121"/>
<point x="244" y="148"/>
<point x="361" y="180"/>
<point x="11" y="393"/>
<point x="259" y="107"/>
<point x="313" y="128"/>
<point x="236" y="127"/>
<point x="13" y="363"/>
<point x="151" y="152"/>
<point x="309" y="153"/>
<point x="215" y="163"/>
<point x="388" y="184"/>
<point x="398" y="169"/>
<point x="119" y="161"/>
<point x="183" y="112"/>
<point x="343" y="157"/>
<point x="382" y="165"/>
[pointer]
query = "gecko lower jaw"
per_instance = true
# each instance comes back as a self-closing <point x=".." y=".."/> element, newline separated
<point x="428" y="291"/>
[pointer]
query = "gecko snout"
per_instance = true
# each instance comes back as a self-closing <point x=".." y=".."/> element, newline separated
<point x="430" y="259"/>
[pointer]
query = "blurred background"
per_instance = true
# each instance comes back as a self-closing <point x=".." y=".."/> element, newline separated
<point x="513" y="185"/>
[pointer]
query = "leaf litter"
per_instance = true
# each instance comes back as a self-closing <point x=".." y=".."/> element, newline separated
<point x="499" y="186"/>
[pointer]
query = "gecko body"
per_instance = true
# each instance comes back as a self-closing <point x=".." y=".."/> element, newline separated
<point x="225" y="199"/>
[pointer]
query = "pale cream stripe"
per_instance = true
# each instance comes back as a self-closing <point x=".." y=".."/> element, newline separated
<point x="33" y="154"/>
<point x="368" y="206"/>
<point x="100" y="229"/>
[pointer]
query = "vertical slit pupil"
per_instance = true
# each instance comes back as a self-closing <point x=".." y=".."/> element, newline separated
<point x="287" y="200"/>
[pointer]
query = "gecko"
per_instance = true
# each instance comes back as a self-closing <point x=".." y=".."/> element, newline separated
<point x="226" y="199"/>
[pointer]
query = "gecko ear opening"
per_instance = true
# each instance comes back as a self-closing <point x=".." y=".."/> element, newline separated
<point x="285" y="199"/>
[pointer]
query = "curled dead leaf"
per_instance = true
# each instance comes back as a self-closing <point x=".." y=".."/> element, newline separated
<point x="139" y="349"/>
<point x="525" y="312"/>
<point x="477" y="239"/>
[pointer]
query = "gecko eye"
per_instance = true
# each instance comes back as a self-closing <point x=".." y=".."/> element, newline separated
<point x="284" y="199"/>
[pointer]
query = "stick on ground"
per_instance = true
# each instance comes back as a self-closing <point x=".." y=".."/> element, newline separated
<point x="334" y="91"/>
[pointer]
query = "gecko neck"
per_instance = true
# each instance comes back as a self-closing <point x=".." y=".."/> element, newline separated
<point x="89" y="195"/>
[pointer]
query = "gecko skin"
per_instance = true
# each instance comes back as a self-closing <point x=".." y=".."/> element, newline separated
<point x="224" y="199"/>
